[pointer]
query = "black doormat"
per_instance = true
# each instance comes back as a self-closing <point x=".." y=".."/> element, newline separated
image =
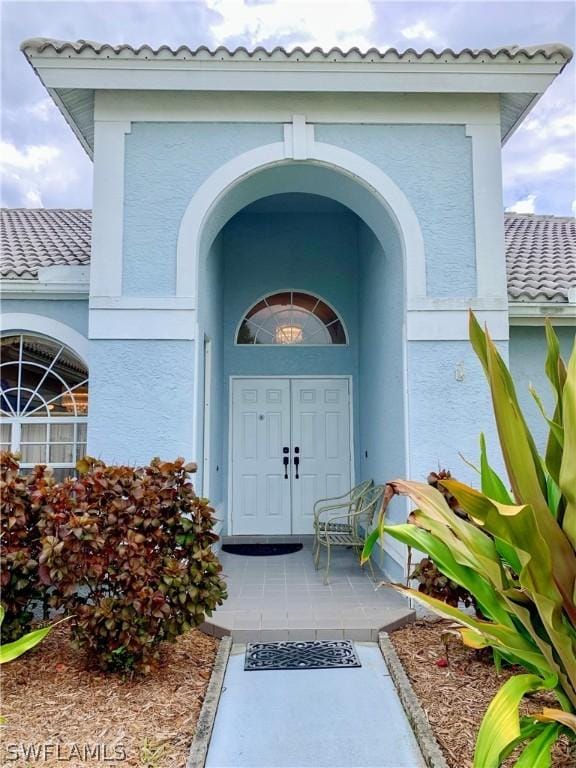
<point x="261" y="550"/>
<point x="313" y="654"/>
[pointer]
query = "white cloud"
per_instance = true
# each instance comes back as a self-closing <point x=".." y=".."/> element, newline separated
<point x="34" y="171"/>
<point x="33" y="157"/>
<point x="527" y="205"/>
<point x="553" y="161"/>
<point x="42" y="110"/>
<point x="573" y="207"/>
<point x="418" y="31"/>
<point x="325" y="23"/>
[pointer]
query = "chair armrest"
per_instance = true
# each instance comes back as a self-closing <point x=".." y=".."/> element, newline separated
<point x="331" y="507"/>
<point x="331" y="498"/>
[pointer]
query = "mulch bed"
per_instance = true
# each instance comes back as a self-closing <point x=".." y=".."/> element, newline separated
<point x="49" y="697"/>
<point x="455" y="695"/>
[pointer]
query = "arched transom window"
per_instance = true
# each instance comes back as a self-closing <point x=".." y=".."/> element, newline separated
<point x="43" y="402"/>
<point x="290" y="318"/>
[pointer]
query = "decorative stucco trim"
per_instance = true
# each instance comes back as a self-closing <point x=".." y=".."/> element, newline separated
<point x="452" y="325"/>
<point x="17" y="321"/>
<point x="488" y="206"/>
<point x="145" y="324"/>
<point x="34" y="289"/>
<point x="329" y="108"/>
<point x="168" y="303"/>
<point x="241" y="167"/>
<point x="536" y="313"/>
<point x="108" y="214"/>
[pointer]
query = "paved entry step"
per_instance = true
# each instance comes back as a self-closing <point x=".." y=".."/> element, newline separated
<point x="314" y="654"/>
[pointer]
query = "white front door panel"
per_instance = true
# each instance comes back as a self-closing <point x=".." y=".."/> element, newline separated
<point x="321" y="433"/>
<point x="261" y="429"/>
<point x="311" y="415"/>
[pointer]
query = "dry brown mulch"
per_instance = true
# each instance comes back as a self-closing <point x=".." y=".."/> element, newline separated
<point x="455" y="697"/>
<point x="49" y="697"/>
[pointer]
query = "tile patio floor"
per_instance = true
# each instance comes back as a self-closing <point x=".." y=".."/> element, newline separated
<point x="284" y="598"/>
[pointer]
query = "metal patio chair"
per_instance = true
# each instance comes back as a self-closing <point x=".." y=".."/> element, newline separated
<point x="334" y="528"/>
<point x="348" y="500"/>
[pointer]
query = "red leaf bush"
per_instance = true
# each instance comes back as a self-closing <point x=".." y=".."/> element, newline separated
<point x="128" y="552"/>
<point x="22" y="501"/>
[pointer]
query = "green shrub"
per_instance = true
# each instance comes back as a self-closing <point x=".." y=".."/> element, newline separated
<point x="515" y="552"/>
<point x="128" y="552"/>
<point x="22" y="501"/>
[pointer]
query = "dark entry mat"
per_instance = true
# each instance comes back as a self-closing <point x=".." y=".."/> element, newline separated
<point x="313" y="654"/>
<point x="261" y="550"/>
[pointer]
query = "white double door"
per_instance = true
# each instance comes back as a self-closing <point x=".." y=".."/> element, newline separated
<point x="290" y="446"/>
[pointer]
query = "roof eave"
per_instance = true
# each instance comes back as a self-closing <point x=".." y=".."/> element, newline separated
<point x="61" y="66"/>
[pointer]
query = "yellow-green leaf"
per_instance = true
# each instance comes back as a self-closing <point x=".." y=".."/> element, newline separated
<point x="501" y="724"/>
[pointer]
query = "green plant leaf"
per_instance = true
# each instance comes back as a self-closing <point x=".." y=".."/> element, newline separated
<point x="517" y="444"/>
<point x="369" y="545"/>
<point x="538" y="752"/>
<point x="556" y="373"/>
<point x="501" y="724"/>
<point x="567" y="476"/>
<point x="491" y="483"/>
<point x="11" y="651"/>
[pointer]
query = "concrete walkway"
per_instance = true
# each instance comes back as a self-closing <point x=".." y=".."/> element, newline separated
<point x="338" y="718"/>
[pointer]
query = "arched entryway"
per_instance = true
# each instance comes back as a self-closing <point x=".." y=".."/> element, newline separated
<point x="297" y="226"/>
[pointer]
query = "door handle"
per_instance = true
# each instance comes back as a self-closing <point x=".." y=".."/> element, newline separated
<point x="296" y="461"/>
<point x="285" y="461"/>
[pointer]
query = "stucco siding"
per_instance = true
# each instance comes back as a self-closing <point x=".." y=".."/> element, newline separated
<point x="527" y="356"/>
<point x="449" y="406"/>
<point x="210" y="327"/>
<point x="381" y="438"/>
<point x="432" y="165"/>
<point x="165" y="163"/>
<point x="141" y="400"/>
<point x="73" y="313"/>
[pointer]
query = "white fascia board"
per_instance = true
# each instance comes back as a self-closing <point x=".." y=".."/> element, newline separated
<point x="384" y="78"/>
<point x="536" y="313"/>
<point x="36" y="289"/>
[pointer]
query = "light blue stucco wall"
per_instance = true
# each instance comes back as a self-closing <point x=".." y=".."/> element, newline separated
<point x="381" y="366"/>
<point x="527" y="356"/>
<point x="449" y="406"/>
<point x="210" y="327"/>
<point x="432" y="165"/>
<point x="315" y="252"/>
<point x="165" y="163"/>
<point x="141" y="400"/>
<point x="73" y="313"/>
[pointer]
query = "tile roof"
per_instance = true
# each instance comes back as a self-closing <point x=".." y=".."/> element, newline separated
<point x="540" y="250"/>
<point x="540" y="256"/>
<point x="41" y="45"/>
<point x="31" y="238"/>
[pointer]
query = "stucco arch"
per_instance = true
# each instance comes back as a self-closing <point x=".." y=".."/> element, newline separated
<point x="20" y="322"/>
<point x="356" y="168"/>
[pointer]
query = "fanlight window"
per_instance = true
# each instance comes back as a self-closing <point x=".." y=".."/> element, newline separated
<point x="43" y="403"/>
<point x="291" y="318"/>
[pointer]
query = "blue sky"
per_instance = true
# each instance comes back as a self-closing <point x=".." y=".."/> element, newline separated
<point x="42" y="163"/>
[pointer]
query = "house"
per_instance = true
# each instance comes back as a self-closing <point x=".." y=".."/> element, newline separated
<point x="277" y="274"/>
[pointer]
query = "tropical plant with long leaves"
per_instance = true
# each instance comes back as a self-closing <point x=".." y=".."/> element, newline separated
<point x="514" y="551"/>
